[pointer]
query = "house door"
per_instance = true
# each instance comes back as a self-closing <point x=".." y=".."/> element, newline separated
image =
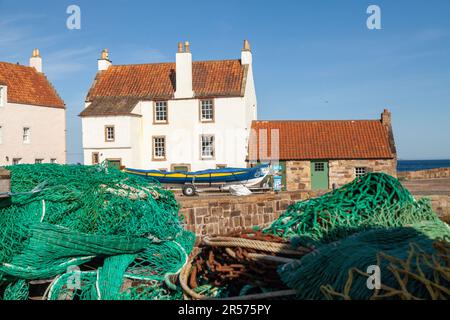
<point x="319" y="175"/>
<point x="113" y="163"/>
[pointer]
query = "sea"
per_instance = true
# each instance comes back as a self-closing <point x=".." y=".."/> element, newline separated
<point x="415" y="165"/>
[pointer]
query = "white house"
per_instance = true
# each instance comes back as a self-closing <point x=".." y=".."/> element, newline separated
<point x="171" y="116"/>
<point x="32" y="115"/>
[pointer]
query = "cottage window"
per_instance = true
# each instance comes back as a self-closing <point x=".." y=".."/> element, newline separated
<point x="26" y="135"/>
<point x="38" y="161"/>
<point x="207" y="146"/>
<point x="110" y="133"/>
<point x="95" y="158"/>
<point x="53" y="160"/>
<point x="161" y="112"/>
<point x="207" y="110"/>
<point x="16" y="161"/>
<point x="159" y="147"/>
<point x="319" y="167"/>
<point x="360" y="171"/>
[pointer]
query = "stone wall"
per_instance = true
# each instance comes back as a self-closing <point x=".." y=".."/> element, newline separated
<point x="425" y="174"/>
<point x="441" y="205"/>
<point x="343" y="171"/>
<point x="219" y="215"/>
<point x="298" y="175"/>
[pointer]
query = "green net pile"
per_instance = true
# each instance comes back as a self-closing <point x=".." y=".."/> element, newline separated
<point x="100" y="233"/>
<point x="349" y="227"/>
<point x="373" y="199"/>
<point x="329" y="264"/>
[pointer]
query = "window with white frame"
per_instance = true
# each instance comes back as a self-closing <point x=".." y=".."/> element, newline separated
<point x="207" y="110"/>
<point x="38" y="161"/>
<point x="26" y="135"/>
<point x="2" y="96"/>
<point x="161" y="112"/>
<point x="110" y="133"/>
<point x="159" y="147"/>
<point x="207" y="146"/>
<point x="360" y="171"/>
<point x="17" y="161"/>
<point x="53" y="160"/>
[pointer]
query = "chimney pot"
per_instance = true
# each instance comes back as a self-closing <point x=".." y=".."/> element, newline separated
<point x="180" y="47"/>
<point x="246" y="46"/>
<point x="186" y="47"/>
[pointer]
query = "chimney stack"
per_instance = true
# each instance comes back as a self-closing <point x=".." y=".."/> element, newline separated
<point x="104" y="63"/>
<point x="36" y="60"/>
<point x="183" y="72"/>
<point x="246" y="54"/>
<point x="386" y="118"/>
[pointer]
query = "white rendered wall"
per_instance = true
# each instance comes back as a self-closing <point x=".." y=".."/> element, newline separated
<point x="125" y="145"/>
<point x="48" y="133"/>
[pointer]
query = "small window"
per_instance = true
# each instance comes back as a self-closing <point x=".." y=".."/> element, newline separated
<point x="159" y="147"/>
<point x="162" y="169"/>
<point x="17" y="161"/>
<point x="38" y="161"/>
<point x="2" y="96"/>
<point x="207" y="110"/>
<point x="110" y="134"/>
<point x="207" y="146"/>
<point x="180" y="167"/>
<point x="95" y="158"/>
<point x="26" y="135"/>
<point x="53" y="160"/>
<point x="360" y="171"/>
<point x="161" y="112"/>
<point x="221" y="166"/>
<point x="319" y="167"/>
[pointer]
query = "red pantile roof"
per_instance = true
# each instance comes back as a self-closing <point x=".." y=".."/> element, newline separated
<point x="309" y="140"/>
<point x="157" y="80"/>
<point x="27" y="86"/>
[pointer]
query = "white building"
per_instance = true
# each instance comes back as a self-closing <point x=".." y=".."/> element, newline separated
<point x="171" y="116"/>
<point x="32" y="116"/>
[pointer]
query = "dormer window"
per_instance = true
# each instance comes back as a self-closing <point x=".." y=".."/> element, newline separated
<point x="160" y="112"/>
<point x="207" y="110"/>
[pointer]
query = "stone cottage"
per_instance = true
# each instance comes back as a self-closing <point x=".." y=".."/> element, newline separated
<point x="320" y="155"/>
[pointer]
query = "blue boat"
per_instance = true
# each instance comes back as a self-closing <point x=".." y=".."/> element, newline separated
<point x="227" y="176"/>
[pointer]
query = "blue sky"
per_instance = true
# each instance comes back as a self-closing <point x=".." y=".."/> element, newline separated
<point x="313" y="59"/>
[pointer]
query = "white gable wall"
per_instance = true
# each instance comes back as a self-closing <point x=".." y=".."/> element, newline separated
<point x="47" y="133"/>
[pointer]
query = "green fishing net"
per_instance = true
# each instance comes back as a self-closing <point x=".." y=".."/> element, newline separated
<point x="108" y="224"/>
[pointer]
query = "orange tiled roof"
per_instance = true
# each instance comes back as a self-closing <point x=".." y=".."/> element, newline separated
<point x="309" y="140"/>
<point x="27" y="86"/>
<point x="157" y="80"/>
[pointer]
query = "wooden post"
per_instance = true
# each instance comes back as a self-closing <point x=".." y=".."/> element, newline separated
<point x="5" y="187"/>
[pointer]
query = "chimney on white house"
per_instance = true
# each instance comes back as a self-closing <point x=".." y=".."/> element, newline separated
<point x="246" y="54"/>
<point x="183" y="72"/>
<point x="104" y="63"/>
<point x="36" y="60"/>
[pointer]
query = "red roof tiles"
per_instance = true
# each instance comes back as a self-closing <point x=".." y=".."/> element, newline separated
<point x="27" y="86"/>
<point x="157" y="80"/>
<point x="308" y="140"/>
